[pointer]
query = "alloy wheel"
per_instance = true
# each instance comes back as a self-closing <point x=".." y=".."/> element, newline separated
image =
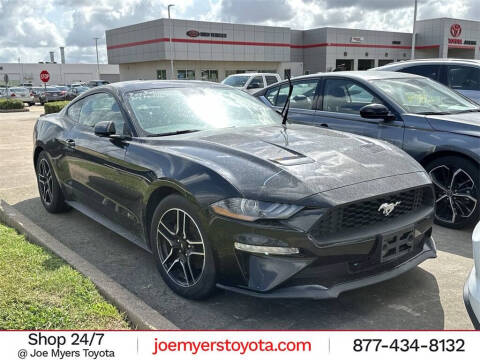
<point x="456" y="193"/>
<point x="180" y="247"/>
<point x="45" y="181"/>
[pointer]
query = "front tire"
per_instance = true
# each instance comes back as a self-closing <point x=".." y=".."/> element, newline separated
<point x="182" y="252"/>
<point x="50" y="192"/>
<point x="457" y="190"/>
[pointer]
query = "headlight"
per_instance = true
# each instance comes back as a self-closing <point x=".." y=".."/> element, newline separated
<point x="251" y="210"/>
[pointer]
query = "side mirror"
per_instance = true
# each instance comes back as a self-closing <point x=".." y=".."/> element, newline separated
<point x="375" y="111"/>
<point x="104" y="128"/>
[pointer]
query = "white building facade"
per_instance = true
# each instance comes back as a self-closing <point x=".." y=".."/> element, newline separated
<point x="59" y="73"/>
<point x="211" y="51"/>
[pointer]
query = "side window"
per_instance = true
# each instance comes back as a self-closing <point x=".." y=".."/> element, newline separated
<point x="271" y="95"/>
<point x="302" y="97"/>
<point x="430" y="71"/>
<point x="463" y="77"/>
<point x="102" y="107"/>
<point x="346" y="96"/>
<point x="256" y="83"/>
<point x="270" y="79"/>
<point x="73" y="111"/>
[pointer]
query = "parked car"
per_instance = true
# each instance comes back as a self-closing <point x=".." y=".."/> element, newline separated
<point x="51" y="94"/>
<point x="471" y="292"/>
<point x="94" y="83"/>
<point x="35" y="91"/>
<point x="63" y="89"/>
<point x="209" y="180"/>
<point x="251" y="82"/>
<point x="461" y="75"/>
<point x="434" y="124"/>
<point x="73" y="92"/>
<point x="20" y="93"/>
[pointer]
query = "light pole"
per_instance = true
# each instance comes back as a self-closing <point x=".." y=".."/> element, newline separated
<point x="21" y="71"/>
<point x="414" y="36"/>
<point x="171" y="49"/>
<point x="96" y="49"/>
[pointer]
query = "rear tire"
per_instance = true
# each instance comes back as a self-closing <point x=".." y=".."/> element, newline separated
<point x="182" y="252"/>
<point x="457" y="189"/>
<point x="50" y="192"/>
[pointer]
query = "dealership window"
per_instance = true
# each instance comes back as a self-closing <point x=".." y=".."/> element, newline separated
<point x="186" y="74"/>
<point x="382" y="62"/>
<point x="209" y="75"/>
<point x="346" y="96"/>
<point x="343" y="65"/>
<point x="430" y="71"/>
<point x="303" y="94"/>
<point x="463" y="77"/>
<point x="162" y="74"/>
<point x="365" y="64"/>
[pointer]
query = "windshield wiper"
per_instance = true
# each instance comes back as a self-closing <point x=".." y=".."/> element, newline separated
<point x="174" y="133"/>
<point x="467" y="111"/>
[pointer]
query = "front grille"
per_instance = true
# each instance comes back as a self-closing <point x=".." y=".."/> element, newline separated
<point x="364" y="213"/>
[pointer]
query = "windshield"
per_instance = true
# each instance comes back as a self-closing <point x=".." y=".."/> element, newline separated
<point x="62" y="88"/>
<point x="81" y="89"/>
<point x="169" y="110"/>
<point x="424" y="96"/>
<point x="236" y="81"/>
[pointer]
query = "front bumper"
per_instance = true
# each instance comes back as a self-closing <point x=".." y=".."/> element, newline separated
<point x="471" y="297"/>
<point x="322" y="269"/>
<point x="471" y="291"/>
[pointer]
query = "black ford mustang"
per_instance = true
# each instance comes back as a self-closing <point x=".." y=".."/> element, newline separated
<point x="209" y="180"/>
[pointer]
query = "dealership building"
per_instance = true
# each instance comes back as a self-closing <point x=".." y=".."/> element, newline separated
<point x="212" y="51"/>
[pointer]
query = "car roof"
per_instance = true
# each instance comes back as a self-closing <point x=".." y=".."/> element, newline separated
<point x="361" y="75"/>
<point x="134" y="85"/>
<point x="400" y="64"/>
<point x="253" y="74"/>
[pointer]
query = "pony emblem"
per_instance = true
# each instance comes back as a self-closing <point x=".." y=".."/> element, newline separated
<point x="387" y="208"/>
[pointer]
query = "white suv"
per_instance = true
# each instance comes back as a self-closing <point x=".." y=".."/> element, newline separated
<point x="251" y="82"/>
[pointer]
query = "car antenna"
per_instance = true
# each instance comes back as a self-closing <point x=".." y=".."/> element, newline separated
<point x="287" y="103"/>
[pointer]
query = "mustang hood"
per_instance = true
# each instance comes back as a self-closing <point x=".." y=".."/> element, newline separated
<point x="294" y="163"/>
<point x="466" y="123"/>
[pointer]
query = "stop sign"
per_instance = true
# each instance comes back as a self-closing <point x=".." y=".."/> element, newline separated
<point x="44" y="76"/>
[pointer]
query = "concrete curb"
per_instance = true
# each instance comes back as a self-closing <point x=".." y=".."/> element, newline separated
<point x="141" y="315"/>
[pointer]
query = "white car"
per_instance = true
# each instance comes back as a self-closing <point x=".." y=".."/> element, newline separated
<point x="251" y="82"/>
<point x="471" y="292"/>
<point x="20" y="93"/>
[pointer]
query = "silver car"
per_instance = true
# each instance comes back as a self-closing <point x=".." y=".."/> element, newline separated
<point x="462" y="75"/>
<point x="471" y="291"/>
<point x="20" y="93"/>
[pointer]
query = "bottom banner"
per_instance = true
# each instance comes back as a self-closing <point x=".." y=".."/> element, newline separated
<point x="238" y="344"/>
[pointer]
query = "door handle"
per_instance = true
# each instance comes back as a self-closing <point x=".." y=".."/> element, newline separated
<point x="70" y="143"/>
<point x="324" y="125"/>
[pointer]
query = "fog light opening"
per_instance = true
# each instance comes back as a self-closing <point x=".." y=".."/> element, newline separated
<point x="267" y="250"/>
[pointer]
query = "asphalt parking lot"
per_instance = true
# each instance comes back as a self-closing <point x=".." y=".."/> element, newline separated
<point x="428" y="297"/>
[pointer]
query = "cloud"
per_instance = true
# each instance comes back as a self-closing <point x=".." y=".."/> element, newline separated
<point x="30" y="28"/>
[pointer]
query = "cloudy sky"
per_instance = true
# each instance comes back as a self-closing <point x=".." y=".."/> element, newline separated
<point x="30" y="29"/>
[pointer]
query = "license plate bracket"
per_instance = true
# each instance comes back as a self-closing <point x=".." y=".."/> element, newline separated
<point x="397" y="244"/>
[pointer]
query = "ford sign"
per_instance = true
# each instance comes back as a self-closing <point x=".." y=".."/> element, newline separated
<point x="193" y="33"/>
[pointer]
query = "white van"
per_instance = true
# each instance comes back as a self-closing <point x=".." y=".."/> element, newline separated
<point x="251" y="82"/>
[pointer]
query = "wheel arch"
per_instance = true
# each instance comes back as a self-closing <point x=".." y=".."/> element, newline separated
<point x="155" y="197"/>
<point x="444" y="153"/>
<point x="36" y="153"/>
